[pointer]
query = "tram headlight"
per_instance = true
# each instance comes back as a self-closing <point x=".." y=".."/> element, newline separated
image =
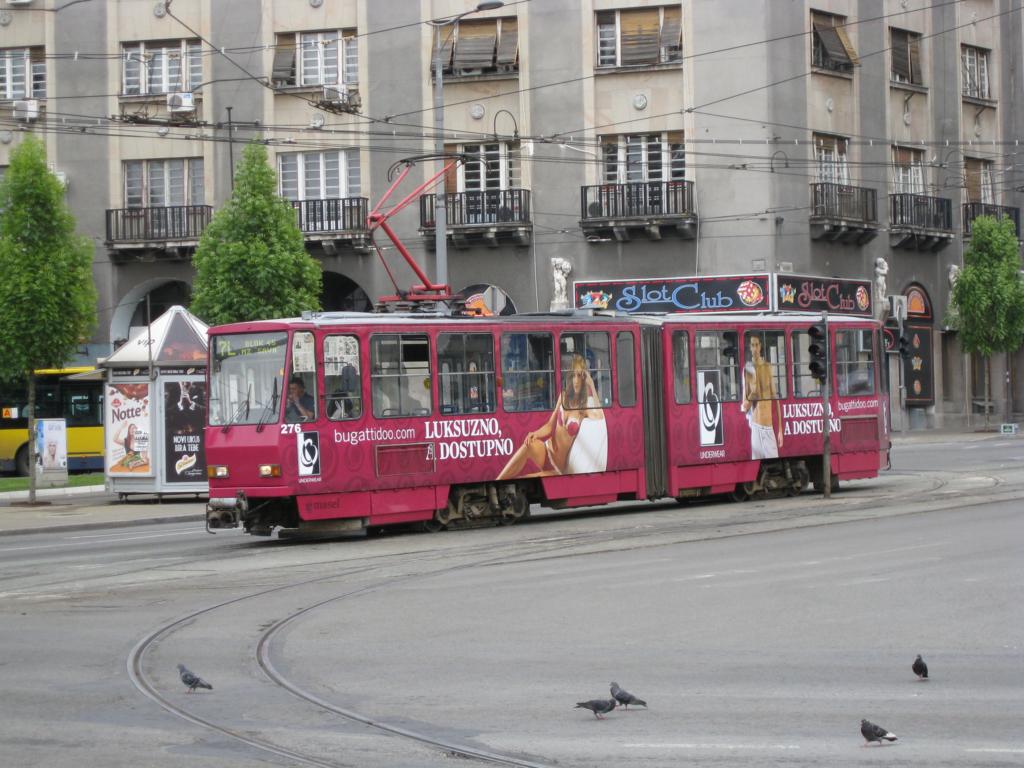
<point x="219" y="471"/>
<point x="270" y="470"/>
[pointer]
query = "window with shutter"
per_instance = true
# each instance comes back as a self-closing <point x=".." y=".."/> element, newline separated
<point x="978" y="178"/>
<point x="831" y="156"/>
<point x="906" y="56"/>
<point x="475" y="45"/>
<point x="507" y="59"/>
<point x="831" y="49"/>
<point x="316" y="58"/>
<point x="639" y="36"/>
<point x="908" y="171"/>
<point x="283" y="71"/>
<point x="974" y="70"/>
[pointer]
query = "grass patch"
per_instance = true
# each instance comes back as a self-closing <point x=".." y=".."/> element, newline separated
<point x="74" y="481"/>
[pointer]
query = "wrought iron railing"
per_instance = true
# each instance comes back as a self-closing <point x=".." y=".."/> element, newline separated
<point x="157" y="224"/>
<point x="841" y="201"/>
<point x="492" y="206"/>
<point x="637" y="200"/>
<point x="343" y="214"/>
<point x="974" y="210"/>
<point x="920" y="211"/>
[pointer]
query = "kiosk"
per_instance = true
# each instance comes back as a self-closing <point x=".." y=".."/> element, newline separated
<point x="154" y="405"/>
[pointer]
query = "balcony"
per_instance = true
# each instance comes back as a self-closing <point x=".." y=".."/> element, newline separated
<point x="841" y="213"/>
<point x="334" y="222"/>
<point x="974" y="210"/>
<point x="492" y="217"/>
<point x="166" y="231"/>
<point x="920" y="222"/>
<point x="650" y="208"/>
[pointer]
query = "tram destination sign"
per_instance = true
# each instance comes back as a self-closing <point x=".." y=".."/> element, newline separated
<point x="729" y="293"/>
<point x="837" y="296"/>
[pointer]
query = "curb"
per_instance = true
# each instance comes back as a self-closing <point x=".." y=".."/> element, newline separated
<point x="44" y="493"/>
<point x="71" y="527"/>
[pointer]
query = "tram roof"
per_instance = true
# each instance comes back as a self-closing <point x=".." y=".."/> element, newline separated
<point x="334" y="319"/>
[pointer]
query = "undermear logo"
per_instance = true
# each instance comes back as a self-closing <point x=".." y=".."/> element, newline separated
<point x="309" y="453"/>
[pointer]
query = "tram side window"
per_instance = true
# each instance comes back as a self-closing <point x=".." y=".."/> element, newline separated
<point x="625" y="368"/>
<point x="804" y="385"/>
<point x="855" y="367"/>
<point x="300" y="401"/>
<point x="400" y="374"/>
<point x="528" y="371"/>
<point x="465" y="372"/>
<point x="343" y="385"/>
<point x="681" y="366"/>
<point x="764" y="367"/>
<point x="593" y="348"/>
<point x="716" y="354"/>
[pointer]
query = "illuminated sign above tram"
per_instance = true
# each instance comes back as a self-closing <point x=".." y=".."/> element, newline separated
<point x="743" y="293"/>
<point x="731" y="293"/>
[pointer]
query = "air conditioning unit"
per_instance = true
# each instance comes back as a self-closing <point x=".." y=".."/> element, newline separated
<point x="27" y="110"/>
<point x="181" y="102"/>
<point x="341" y="96"/>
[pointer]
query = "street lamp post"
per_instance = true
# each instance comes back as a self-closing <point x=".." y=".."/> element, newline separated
<point x="441" y="198"/>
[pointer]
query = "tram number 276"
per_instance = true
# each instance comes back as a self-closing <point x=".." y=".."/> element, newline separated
<point x="291" y="429"/>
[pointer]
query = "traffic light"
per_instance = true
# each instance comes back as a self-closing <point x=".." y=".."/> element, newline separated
<point x="818" y="350"/>
<point x="903" y="346"/>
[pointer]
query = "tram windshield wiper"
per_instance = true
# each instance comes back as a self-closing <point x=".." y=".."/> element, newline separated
<point x="269" y="410"/>
<point x="243" y="407"/>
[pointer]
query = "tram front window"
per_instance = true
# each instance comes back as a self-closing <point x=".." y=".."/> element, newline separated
<point x="246" y="378"/>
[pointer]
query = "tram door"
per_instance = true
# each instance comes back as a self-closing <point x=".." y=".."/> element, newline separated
<point x="652" y="373"/>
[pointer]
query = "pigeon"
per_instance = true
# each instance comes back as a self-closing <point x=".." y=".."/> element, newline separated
<point x="873" y="732"/>
<point x="597" y="706"/>
<point x="192" y="680"/>
<point x="920" y="668"/>
<point x="625" y="698"/>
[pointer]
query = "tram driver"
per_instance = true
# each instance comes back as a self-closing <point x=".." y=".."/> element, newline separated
<point x="300" y="403"/>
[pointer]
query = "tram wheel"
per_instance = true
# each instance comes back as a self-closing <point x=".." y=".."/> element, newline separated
<point x="520" y="510"/>
<point x="431" y="526"/>
<point x="801" y="479"/>
<point x="739" y="494"/>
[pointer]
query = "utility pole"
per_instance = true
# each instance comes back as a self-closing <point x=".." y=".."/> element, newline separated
<point x="826" y="451"/>
<point x="231" y="150"/>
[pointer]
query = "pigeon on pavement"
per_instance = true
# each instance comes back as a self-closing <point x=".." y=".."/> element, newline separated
<point x="597" y="706"/>
<point x="920" y="668"/>
<point x="625" y="698"/>
<point x="873" y="732"/>
<point x="192" y="680"/>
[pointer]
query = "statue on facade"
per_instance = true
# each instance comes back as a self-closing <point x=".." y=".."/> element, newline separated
<point x="560" y="269"/>
<point x="881" y="290"/>
<point x="952" y="275"/>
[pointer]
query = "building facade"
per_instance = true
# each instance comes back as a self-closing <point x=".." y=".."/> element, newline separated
<point x="625" y="138"/>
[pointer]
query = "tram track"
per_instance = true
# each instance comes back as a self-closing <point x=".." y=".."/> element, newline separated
<point x="473" y="556"/>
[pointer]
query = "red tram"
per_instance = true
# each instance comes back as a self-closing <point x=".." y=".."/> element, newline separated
<point x="339" y="421"/>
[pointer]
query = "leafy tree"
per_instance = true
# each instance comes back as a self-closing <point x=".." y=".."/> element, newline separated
<point x="251" y="263"/>
<point x="47" y="295"/>
<point x="988" y="296"/>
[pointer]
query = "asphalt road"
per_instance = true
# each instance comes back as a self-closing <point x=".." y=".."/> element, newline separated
<point x="759" y="633"/>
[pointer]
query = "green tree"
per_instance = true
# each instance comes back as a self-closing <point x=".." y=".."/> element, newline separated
<point x="47" y="294"/>
<point x="988" y="296"/>
<point x="251" y="263"/>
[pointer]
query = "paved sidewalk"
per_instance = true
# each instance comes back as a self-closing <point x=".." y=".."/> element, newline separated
<point x="72" y="509"/>
<point x="75" y="509"/>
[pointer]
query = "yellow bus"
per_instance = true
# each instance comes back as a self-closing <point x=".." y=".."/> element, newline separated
<point x="74" y="394"/>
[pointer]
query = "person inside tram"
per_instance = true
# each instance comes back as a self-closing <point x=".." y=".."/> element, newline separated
<point x="546" y="451"/>
<point x="301" y="406"/>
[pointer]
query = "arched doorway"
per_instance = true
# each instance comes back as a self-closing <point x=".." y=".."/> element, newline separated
<point x="341" y="294"/>
<point x="131" y="311"/>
